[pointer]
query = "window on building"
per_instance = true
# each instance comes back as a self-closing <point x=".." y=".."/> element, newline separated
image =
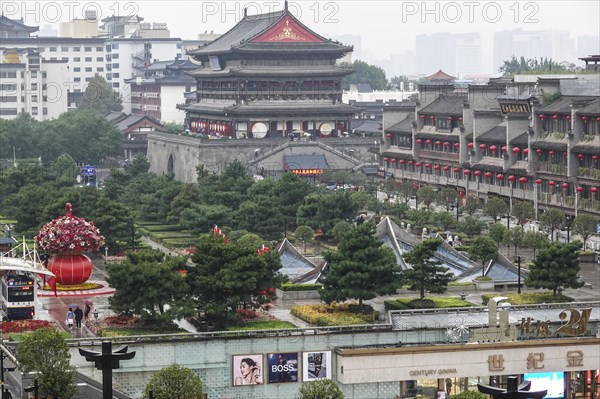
<point x="8" y="75"/>
<point x="76" y="59"/>
<point x="8" y="86"/>
<point x="88" y="79"/>
<point x="115" y="85"/>
<point x="34" y="86"/>
<point x="45" y="99"/>
<point x="44" y="111"/>
<point x="100" y="69"/>
<point x="65" y="59"/>
<point x="44" y="75"/>
<point x="8" y="99"/>
<point x="87" y="49"/>
<point x="99" y="59"/>
<point x="115" y="56"/>
<point x="34" y="110"/>
<point x="64" y="49"/>
<point x="77" y="69"/>
<point x="34" y="74"/>
<point x="76" y="48"/>
<point x="44" y="86"/>
<point x="178" y="45"/>
<point x="9" y="111"/>
<point x="52" y="58"/>
<point x="99" y="48"/>
<point x="115" y="75"/>
<point x="115" y="46"/>
<point x="77" y="80"/>
<point x="34" y="99"/>
<point x="115" y="65"/>
<point x="88" y="59"/>
<point x="53" y="49"/>
<point x="88" y="69"/>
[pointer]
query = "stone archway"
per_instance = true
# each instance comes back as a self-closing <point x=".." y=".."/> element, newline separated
<point x="170" y="165"/>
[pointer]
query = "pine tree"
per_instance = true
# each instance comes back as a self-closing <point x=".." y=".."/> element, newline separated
<point x="426" y="274"/>
<point x="556" y="266"/>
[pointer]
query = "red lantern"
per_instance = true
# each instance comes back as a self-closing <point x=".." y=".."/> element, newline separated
<point x="493" y="148"/>
<point x="449" y="118"/>
<point x="579" y="189"/>
<point x="552" y="183"/>
<point x="466" y="172"/>
<point x="539" y="151"/>
<point x="428" y="165"/>
<point x="516" y="150"/>
<point x="436" y="167"/>
<point x="438" y="143"/>
<point x="526" y="151"/>
<point x="483" y="146"/>
<point x="503" y="148"/>
<point x="552" y="152"/>
<point x="477" y="173"/>
<point x="456" y="145"/>
<point x="538" y="181"/>
<point x="470" y="145"/>
<point x="500" y="177"/>
<point x="581" y="156"/>
<point x="565" y="154"/>
<point x="594" y="190"/>
<point x="446" y="144"/>
<point x="389" y="135"/>
<point x="432" y="117"/>
<point x="456" y="170"/>
<point x="419" y="141"/>
<point x="488" y="174"/>
<point x="523" y="180"/>
<point x="595" y="157"/>
<point x="569" y="117"/>
<point x="394" y="160"/>
<point x="427" y="141"/>
<point x="511" y="178"/>
<point x="542" y="116"/>
<point x="418" y="164"/>
<point x="585" y="118"/>
<point x="446" y="168"/>
<point x="385" y="159"/>
<point x="422" y="117"/>
<point x="401" y="161"/>
<point x="554" y="116"/>
<point x="598" y="119"/>
<point x="565" y="185"/>
<point x="460" y="119"/>
<point x="411" y="163"/>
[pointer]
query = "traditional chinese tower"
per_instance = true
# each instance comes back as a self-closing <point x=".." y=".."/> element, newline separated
<point x="266" y="77"/>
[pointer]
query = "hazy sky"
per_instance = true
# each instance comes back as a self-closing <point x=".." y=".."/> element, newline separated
<point x="385" y="26"/>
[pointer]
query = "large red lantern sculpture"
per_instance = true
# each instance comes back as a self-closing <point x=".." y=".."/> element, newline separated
<point x="66" y="238"/>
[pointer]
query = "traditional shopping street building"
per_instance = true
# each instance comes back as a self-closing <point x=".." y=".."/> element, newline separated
<point x="528" y="138"/>
<point x="266" y="77"/>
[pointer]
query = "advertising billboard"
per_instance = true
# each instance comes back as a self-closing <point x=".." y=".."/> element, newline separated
<point x="283" y="367"/>
<point x="247" y="370"/>
<point x="554" y="382"/>
<point x="316" y="365"/>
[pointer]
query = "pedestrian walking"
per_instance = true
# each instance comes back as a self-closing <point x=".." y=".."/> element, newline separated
<point x="78" y="317"/>
<point x="70" y="317"/>
<point x="87" y="309"/>
<point x="6" y="394"/>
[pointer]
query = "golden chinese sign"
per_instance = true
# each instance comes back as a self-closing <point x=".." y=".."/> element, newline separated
<point x="515" y="108"/>
<point x="576" y="326"/>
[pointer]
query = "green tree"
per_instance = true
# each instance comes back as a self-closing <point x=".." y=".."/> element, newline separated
<point x="304" y="234"/>
<point x="100" y="97"/>
<point x="325" y="209"/>
<point x="471" y="226"/>
<point x="426" y="273"/>
<point x="148" y="283"/>
<point x="585" y="226"/>
<point x="361" y="199"/>
<point x="406" y="191"/>
<point x="261" y="215"/>
<point x="230" y="275"/>
<point x="46" y="352"/>
<point x="340" y="229"/>
<point x="290" y="192"/>
<point x="471" y="205"/>
<point x="173" y="127"/>
<point x="64" y="171"/>
<point x="390" y="188"/>
<point x="361" y="268"/>
<point x="495" y="208"/>
<point x="204" y="217"/>
<point x="515" y="237"/>
<point x="420" y="217"/>
<point x="448" y="198"/>
<point x="497" y="233"/>
<point x="320" y="389"/>
<point x="427" y="195"/>
<point x="364" y="73"/>
<point x="444" y="219"/>
<point x="485" y="250"/>
<point x="556" y="266"/>
<point x="534" y="240"/>
<point x="551" y="220"/>
<point x="174" y="382"/>
<point x="522" y="211"/>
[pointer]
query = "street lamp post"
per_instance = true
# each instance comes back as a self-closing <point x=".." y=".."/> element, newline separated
<point x="518" y="260"/>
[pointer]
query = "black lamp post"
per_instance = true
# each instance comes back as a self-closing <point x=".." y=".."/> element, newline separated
<point x="569" y="222"/>
<point x="107" y="361"/>
<point x="518" y="260"/>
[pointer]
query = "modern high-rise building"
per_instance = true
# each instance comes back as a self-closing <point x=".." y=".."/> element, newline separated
<point x="457" y="54"/>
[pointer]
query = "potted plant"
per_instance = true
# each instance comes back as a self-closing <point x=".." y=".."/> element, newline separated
<point x="483" y="283"/>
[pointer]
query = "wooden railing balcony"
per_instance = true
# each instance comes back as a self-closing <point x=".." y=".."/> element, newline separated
<point x="441" y="155"/>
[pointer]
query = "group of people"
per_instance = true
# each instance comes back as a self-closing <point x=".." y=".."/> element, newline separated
<point x="78" y="315"/>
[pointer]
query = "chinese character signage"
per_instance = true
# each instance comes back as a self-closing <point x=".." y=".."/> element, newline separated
<point x="515" y="108"/>
<point x="307" y="172"/>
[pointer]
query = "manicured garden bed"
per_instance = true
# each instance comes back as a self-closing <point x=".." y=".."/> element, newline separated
<point x="529" y="298"/>
<point x="263" y="325"/>
<point x="123" y="326"/>
<point x="12" y="330"/>
<point x="429" y="303"/>
<point x="332" y="315"/>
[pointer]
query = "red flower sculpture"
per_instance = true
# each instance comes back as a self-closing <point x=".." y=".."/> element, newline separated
<point x="69" y="234"/>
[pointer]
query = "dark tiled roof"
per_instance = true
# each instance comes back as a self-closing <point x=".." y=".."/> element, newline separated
<point x="549" y="145"/>
<point x="523" y="97"/>
<point x="273" y="71"/>
<point x="404" y="126"/>
<point x="520" y="140"/>
<point x="364" y="88"/>
<point x="292" y="162"/>
<point x="445" y="105"/>
<point x="15" y="25"/>
<point x="438" y="136"/>
<point x="586" y="149"/>
<point x="487" y="167"/>
<point x="497" y="134"/>
<point x="592" y="108"/>
<point x="130" y="120"/>
<point x="115" y="116"/>
<point x="562" y="105"/>
<point x="368" y="127"/>
<point x="7" y="241"/>
<point x="440" y="75"/>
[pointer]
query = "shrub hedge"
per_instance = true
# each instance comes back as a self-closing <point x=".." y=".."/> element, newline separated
<point x="428" y="303"/>
<point x="470" y="395"/>
<point x="529" y="298"/>
<point x="263" y="325"/>
<point x="300" y="287"/>
<point x="331" y="315"/>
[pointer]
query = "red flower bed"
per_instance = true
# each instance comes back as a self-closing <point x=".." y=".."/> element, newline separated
<point x="121" y="321"/>
<point x="247" y="314"/>
<point x="19" y="326"/>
